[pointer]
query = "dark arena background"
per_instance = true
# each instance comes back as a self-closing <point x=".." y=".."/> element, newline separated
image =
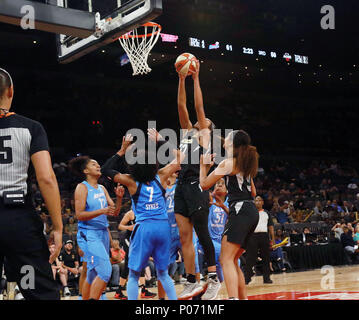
<point x="267" y="66"/>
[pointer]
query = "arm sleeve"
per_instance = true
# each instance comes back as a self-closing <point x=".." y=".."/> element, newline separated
<point x="39" y="140"/>
<point x="108" y="169"/>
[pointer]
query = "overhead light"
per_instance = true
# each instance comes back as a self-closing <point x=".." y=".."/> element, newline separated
<point x="222" y="54"/>
<point x="320" y="66"/>
<point x="210" y="69"/>
<point x="299" y="75"/>
<point x="103" y="51"/>
<point x="232" y="72"/>
<point x="340" y="79"/>
<point x="246" y="68"/>
<point x="175" y="47"/>
<point x="34" y="42"/>
<point x="261" y="69"/>
<point x="163" y="56"/>
<point x="257" y="59"/>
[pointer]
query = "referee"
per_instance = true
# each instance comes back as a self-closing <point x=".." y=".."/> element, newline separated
<point x="22" y="242"/>
<point x="260" y="240"/>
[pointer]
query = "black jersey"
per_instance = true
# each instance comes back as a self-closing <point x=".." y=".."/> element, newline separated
<point x="239" y="189"/>
<point x="190" y="146"/>
<point x="20" y="138"/>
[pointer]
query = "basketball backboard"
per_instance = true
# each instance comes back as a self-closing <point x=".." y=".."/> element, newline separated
<point x="113" y="19"/>
<point x="81" y="26"/>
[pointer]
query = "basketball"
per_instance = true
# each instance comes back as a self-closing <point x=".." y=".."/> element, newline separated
<point x="186" y="64"/>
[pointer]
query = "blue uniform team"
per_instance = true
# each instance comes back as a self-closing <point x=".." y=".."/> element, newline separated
<point x="93" y="236"/>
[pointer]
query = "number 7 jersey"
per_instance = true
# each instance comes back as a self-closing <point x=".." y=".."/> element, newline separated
<point x="149" y="201"/>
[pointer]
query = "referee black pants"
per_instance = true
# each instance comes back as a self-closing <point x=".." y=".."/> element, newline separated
<point x="24" y="248"/>
<point x="258" y="241"/>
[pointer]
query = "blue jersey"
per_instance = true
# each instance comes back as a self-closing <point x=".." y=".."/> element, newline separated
<point x="217" y="219"/>
<point x="170" y="194"/>
<point x="149" y="201"/>
<point x="96" y="200"/>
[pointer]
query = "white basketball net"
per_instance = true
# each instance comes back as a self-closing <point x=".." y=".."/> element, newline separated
<point x="138" y="47"/>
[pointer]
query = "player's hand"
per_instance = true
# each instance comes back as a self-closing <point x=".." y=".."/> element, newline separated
<point x="154" y="135"/>
<point x="207" y="160"/>
<point x="181" y="76"/>
<point x="56" y="239"/>
<point x="119" y="191"/>
<point x="109" y="211"/>
<point x="126" y="144"/>
<point x="195" y="74"/>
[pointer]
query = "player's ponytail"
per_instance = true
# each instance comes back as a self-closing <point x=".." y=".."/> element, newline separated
<point x="245" y="154"/>
<point x="78" y="165"/>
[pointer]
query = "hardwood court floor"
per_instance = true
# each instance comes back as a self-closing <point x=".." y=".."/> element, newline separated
<point x="306" y="285"/>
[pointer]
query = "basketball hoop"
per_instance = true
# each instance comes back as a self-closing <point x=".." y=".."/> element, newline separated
<point x="138" y="46"/>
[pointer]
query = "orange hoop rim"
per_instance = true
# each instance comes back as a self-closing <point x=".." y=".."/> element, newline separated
<point x="148" y="24"/>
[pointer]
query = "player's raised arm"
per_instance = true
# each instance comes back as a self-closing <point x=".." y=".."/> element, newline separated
<point x="198" y="99"/>
<point x="182" y="104"/>
<point x="110" y="166"/>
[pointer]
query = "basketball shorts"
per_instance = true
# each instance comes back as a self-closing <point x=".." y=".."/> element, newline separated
<point x="242" y="221"/>
<point x="190" y="198"/>
<point x="95" y="244"/>
<point x="150" y="238"/>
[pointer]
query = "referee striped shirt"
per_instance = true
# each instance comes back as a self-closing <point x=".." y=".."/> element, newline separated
<point x="20" y="138"/>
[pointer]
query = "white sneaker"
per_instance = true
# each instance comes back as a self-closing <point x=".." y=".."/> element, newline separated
<point x="67" y="292"/>
<point x="190" y="290"/>
<point x="183" y="280"/>
<point x="212" y="290"/>
<point x="19" y="296"/>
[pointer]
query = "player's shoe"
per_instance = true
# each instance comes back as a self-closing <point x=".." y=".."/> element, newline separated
<point x="212" y="289"/>
<point x="67" y="292"/>
<point x="120" y="296"/>
<point x="190" y="290"/>
<point x="145" y="294"/>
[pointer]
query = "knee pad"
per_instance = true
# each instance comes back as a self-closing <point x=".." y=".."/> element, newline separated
<point x="104" y="270"/>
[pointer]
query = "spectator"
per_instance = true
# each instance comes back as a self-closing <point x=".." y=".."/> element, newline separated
<point x="60" y="271"/>
<point x="283" y="213"/>
<point x="117" y="256"/>
<point x="45" y="221"/>
<point x="277" y="254"/>
<point x="71" y="228"/>
<point x="70" y="261"/>
<point x="356" y="235"/>
<point x="347" y="241"/>
<point x="338" y="230"/>
<point x="318" y="208"/>
<point x="356" y="202"/>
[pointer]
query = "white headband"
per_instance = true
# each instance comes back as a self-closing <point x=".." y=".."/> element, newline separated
<point x="8" y="76"/>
